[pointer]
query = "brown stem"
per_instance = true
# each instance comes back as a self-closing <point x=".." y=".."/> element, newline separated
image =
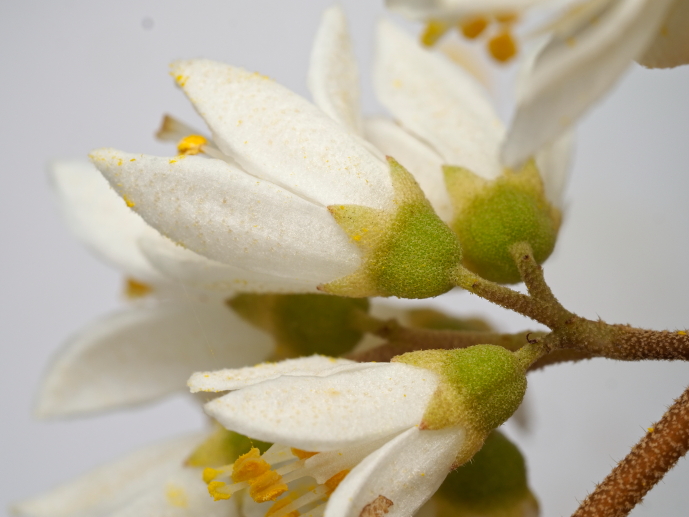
<point x="532" y="275"/>
<point x="560" y="356"/>
<point x="644" y="466"/>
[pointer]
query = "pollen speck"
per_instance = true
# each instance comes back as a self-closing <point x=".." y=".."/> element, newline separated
<point x="434" y="31"/>
<point x="176" y="496"/>
<point x="502" y="47"/>
<point x="129" y="202"/>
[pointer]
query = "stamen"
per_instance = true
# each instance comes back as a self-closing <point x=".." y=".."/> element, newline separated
<point x="249" y="465"/>
<point x="267" y="487"/>
<point x="281" y="504"/>
<point x="134" y="289"/>
<point x="302" y="455"/>
<point x="191" y="144"/>
<point x="334" y="481"/>
<point x="434" y="31"/>
<point x="474" y="27"/>
<point x="502" y="47"/>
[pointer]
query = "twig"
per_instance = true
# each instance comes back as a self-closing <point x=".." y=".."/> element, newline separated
<point x="532" y="274"/>
<point x="644" y="466"/>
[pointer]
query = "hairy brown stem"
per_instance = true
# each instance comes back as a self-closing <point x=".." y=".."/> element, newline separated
<point x="644" y="466"/>
<point x="532" y="275"/>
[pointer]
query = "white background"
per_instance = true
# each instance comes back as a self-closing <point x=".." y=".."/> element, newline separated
<point x="82" y="74"/>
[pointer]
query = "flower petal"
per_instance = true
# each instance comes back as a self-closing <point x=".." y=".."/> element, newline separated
<point x="221" y="212"/>
<point x="401" y="475"/>
<point x="233" y="379"/>
<point x="415" y="156"/>
<point x="107" y="488"/>
<point x="181" y="494"/>
<point x="554" y="162"/>
<point x="327" y="413"/>
<point x="574" y="69"/>
<point x="101" y="220"/>
<point x="278" y="136"/>
<point x="144" y="353"/>
<point x="670" y="47"/>
<point x="197" y="271"/>
<point x="333" y="74"/>
<point x="438" y="102"/>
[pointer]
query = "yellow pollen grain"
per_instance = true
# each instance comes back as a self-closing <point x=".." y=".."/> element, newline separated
<point x="267" y="487"/>
<point x="191" y="144"/>
<point x="502" y="47"/>
<point x="434" y="30"/>
<point x="209" y="474"/>
<point x="134" y="289"/>
<point x="650" y="429"/>
<point x="472" y="28"/>
<point x="302" y="455"/>
<point x="129" y="202"/>
<point x="681" y="332"/>
<point x="176" y="496"/>
<point x="133" y="160"/>
<point x="119" y="162"/>
<point x="334" y="481"/>
<point x="181" y="80"/>
<point x="172" y="161"/>
<point x="249" y="466"/>
<point x="214" y="490"/>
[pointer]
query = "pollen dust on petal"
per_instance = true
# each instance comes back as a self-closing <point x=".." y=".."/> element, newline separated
<point x="176" y="496"/>
<point x="376" y="508"/>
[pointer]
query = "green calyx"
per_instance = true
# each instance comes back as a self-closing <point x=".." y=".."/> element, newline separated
<point x="223" y="447"/>
<point x="481" y="386"/>
<point x="407" y="250"/>
<point x="494" y="483"/>
<point x="491" y="216"/>
<point x="304" y="324"/>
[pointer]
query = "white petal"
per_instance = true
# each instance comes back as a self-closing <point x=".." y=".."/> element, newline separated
<point x="406" y="471"/>
<point x="328" y="413"/>
<point x="452" y="10"/>
<point x="333" y="74"/>
<point x="419" y="159"/>
<point x="278" y="136"/>
<point x="574" y="70"/>
<point x="109" y="487"/>
<point x="437" y="101"/>
<point x="199" y="272"/>
<point x="182" y="494"/>
<point x="144" y="353"/>
<point x="100" y="219"/>
<point x="554" y="162"/>
<point x="670" y="47"/>
<point x="233" y="379"/>
<point x="219" y="211"/>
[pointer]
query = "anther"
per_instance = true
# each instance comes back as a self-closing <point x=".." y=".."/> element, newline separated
<point x="473" y="28"/>
<point x="192" y="144"/>
<point x="434" y="31"/>
<point x="502" y="47"/>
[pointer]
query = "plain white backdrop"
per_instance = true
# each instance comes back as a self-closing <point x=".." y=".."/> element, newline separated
<point x="81" y="74"/>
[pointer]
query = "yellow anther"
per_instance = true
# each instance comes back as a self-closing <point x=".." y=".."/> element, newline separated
<point x="507" y="17"/>
<point x="472" y="28"/>
<point x="192" y="144"/>
<point x="334" y="481"/>
<point x="434" y="31"/>
<point x="214" y="490"/>
<point x="302" y="455"/>
<point x="249" y="466"/>
<point x="209" y="474"/>
<point x="279" y="505"/>
<point x="267" y="487"/>
<point x="135" y="289"/>
<point x="502" y="47"/>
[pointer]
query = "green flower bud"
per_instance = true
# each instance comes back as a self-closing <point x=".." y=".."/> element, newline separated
<point x="493" y="484"/>
<point x="491" y="216"/>
<point x="222" y="447"/>
<point x="304" y="324"/>
<point x="407" y="250"/>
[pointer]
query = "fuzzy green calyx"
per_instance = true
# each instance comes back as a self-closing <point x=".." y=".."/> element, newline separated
<point x="493" y="484"/>
<point x="492" y="215"/>
<point x="223" y="447"/>
<point x="481" y="386"/>
<point x="407" y="250"/>
<point x="304" y="324"/>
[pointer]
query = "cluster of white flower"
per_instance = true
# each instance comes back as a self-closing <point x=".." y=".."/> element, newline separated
<point x="302" y="204"/>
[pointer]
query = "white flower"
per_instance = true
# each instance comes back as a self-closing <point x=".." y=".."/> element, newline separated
<point x="285" y="189"/>
<point x="146" y="350"/>
<point x="361" y="418"/>
<point x="585" y="54"/>
<point x="441" y="105"/>
<point x="152" y="481"/>
<point x="373" y="435"/>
